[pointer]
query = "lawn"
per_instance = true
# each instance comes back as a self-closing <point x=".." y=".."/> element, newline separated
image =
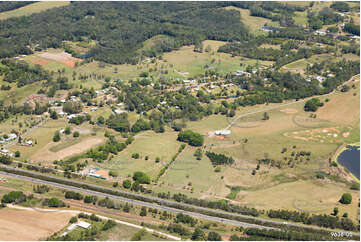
<point x="35" y="7"/>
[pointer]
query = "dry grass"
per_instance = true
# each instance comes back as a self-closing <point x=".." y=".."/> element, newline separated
<point x="45" y="154"/>
<point x="30" y="225"/>
<point x="339" y="110"/>
<point x="310" y="196"/>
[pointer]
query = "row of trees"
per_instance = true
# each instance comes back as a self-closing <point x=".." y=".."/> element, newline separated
<point x="324" y="220"/>
<point x="219" y="159"/>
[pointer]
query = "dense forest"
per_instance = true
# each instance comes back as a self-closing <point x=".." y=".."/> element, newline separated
<point x="7" y="5"/>
<point x="120" y="28"/>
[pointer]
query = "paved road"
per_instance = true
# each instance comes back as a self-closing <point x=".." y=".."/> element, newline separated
<point x="100" y="216"/>
<point x="141" y="203"/>
<point x="168" y="208"/>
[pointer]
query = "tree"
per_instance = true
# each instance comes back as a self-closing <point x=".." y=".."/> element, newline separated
<point x="190" y="137"/>
<point x="73" y="220"/>
<point x="335" y="211"/>
<point x="53" y="115"/>
<point x="198" y="235"/>
<point x="312" y="105"/>
<point x="198" y="153"/>
<point x="17" y="153"/>
<point x="340" y="6"/>
<point x="143" y="211"/>
<point x="355" y="186"/>
<point x="56" y="137"/>
<point x="76" y="134"/>
<point x="214" y="236"/>
<point x="234" y="237"/>
<point x="67" y="130"/>
<point x="265" y="116"/>
<point x="127" y="184"/>
<point x="346" y="198"/>
<point x="113" y="173"/>
<point x="5" y="159"/>
<point x="101" y="120"/>
<point x="141" y="177"/>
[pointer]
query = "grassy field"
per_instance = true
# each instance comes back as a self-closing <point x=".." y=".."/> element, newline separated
<point x="153" y="145"/>
<point x="253" y="23"/>
<point x="187" y="172"/>
<point x="300" y="18"/>
<point x="32" y="8"/>
<point x="187" y="61"/>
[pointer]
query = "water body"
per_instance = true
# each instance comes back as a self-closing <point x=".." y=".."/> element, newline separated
<point x="350" y="158"/>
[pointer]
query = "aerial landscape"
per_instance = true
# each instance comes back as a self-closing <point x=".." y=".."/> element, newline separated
<point x="171" y="120"/>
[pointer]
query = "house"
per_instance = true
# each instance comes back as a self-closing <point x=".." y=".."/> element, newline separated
<point x="319" y="32"/>
<point x="240" y="73"/>
<point x="71" y="116"/>
<point x="212" y="86"/>
<point x="29" y="142"/>
<point x="12" y="136"/>
<point x="83" y="225"/>
<point x="62" y="100"/>
<point x="320" y="78"/>
<point x="222" y="132"/>
<point x="117" y="111"/>
<point x="269" y="29"/>
<point x="94" y="109"/>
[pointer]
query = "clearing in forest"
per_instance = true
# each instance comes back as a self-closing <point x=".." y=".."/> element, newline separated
<point x="62" y="57"/>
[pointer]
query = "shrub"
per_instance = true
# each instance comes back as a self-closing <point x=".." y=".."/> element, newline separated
<point x="113" y="173"/>
<point x="346" y="198"/>
<point x="127" y="183"/>
<point x="56" y="137"/>
<point x="190" y="137"/>
<point x="141" y="177"/>
<point x="73" y="220"/>
<point x="76" y="134"/>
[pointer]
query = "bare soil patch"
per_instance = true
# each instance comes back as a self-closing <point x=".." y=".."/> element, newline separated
<point x="45" y="154"/>
<point x="16" y="225"/>
<point x="41" y="62"/>
<point x="61" y="57"/>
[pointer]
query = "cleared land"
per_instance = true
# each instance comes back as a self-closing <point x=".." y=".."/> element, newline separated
<point x="253" y="23"/>
<point x="62" y="57"/>
<point x="32" y="8"/>
<point x="30" y="225"/>
<point x="153" y="145"/>
<point x="45" y="154"/>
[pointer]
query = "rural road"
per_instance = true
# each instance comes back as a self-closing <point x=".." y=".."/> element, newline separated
<point x="285" y="104"/>
<point x="147" y="204"/>
<point x="170" y="209"/>
<point x="100" y="216"/>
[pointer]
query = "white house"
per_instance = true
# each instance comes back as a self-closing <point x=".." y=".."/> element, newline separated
<point x="83" y="225"/>
<point x="222" y="132"/>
